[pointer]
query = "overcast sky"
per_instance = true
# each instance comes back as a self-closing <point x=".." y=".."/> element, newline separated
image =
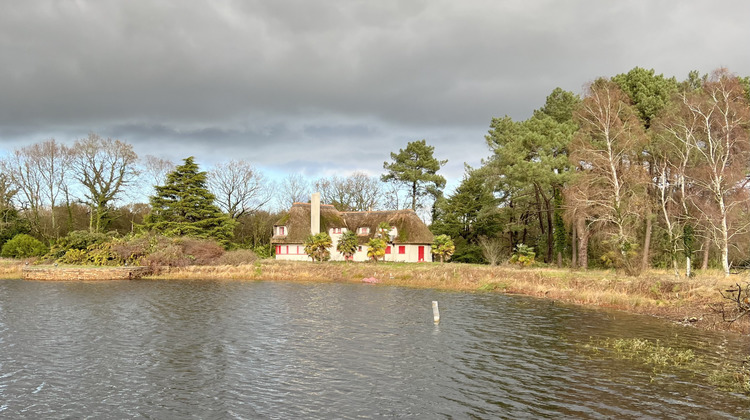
<point x="330" y="87"/>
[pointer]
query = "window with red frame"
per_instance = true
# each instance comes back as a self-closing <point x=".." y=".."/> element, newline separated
<point x="402" y="249"/>
<point x="388" y="250"/>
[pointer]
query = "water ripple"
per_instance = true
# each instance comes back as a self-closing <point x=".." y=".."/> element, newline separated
<point x="217" y="350"/>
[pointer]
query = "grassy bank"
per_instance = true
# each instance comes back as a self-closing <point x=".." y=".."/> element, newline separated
<point x="10" y="268"/>
<point x="655" y="293"/>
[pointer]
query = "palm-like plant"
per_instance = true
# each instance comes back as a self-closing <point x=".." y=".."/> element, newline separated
<point x="348" y="244"/>
<point x="316" y="246"/>
<point x="443" y="247"/>
<point x="376" y="248"/>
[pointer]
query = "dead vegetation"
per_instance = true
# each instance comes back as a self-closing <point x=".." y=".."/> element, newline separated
<point x="11" y="268"/>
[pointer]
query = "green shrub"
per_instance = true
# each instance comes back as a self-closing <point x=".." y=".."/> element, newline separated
<point x="524" y="256"/>
<point x="74" y="256"/>
<point x="133" y="249"/>
<point x="263" y="251"/>
<point x="23" y="246"/>
<point x="78" y="239"/>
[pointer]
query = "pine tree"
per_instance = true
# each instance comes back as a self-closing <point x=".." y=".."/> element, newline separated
<point x="416" y="168"/>
<point x="185" y="207"/>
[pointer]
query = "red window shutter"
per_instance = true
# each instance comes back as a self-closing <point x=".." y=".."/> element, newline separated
<point x="388" y="249"/>
<point x="278" y="249"/>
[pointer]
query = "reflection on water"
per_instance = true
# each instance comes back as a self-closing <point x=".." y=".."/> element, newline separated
<point x="283" y="350"/>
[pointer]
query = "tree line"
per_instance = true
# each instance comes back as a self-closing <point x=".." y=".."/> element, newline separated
<point x="641" y="171"/>
<point x="49" y="190"/>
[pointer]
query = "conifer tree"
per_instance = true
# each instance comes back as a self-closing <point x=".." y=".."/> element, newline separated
<point x="416" y="168"/>
<point x="185" y="206"/>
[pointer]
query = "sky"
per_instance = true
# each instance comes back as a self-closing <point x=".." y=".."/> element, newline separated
<point x="325" y="87"/>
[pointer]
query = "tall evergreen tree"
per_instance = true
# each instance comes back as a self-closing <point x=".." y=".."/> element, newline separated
<point x="529" y="167"/>
<point x="416" y="168"/>
<point x="184" y="206"/>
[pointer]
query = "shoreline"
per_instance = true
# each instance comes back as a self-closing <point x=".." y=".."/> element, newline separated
<point x="660" y="294"/>
<point x="656" y="293"/>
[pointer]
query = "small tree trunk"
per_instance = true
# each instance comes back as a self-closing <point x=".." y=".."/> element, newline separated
<point x="688" y="267"/>
<point x="646" y="262"/>
<point x="574" y="247"/>
<point x="583" y="244"/>
<point x="706" y="249"/>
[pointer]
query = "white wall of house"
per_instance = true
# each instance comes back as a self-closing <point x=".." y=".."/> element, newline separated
<point x="398" y="253"/>
<point x="291" y="252"/>
<point x="410" y="253"/>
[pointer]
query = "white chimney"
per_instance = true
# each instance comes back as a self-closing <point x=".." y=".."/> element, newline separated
<point x="315" y="213"/>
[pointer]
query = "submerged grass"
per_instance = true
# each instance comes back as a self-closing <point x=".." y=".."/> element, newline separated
<point x="728" y="376"/>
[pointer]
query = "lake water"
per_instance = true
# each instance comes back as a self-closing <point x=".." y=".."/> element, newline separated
<point x="205" y="350"/>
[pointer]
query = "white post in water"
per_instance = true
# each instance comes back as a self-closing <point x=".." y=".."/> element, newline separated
<point x="435" y="312"/>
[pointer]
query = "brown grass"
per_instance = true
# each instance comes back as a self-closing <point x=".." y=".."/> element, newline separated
<point x="655" y="293"/>
<point x="11" y="268"/>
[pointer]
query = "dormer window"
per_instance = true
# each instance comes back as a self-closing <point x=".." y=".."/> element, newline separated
<point x="337" y="231"/>
<point x="363" y="231"/>
<point x="280" y="231"/>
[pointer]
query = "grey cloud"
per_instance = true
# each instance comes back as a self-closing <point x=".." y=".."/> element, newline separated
<point x="318" y="84"/>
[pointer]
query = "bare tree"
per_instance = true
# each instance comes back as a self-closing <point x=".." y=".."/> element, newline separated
<point x="105" y="167"/>
<point x="155" y="170"/>
<point x="27" y="178"/>
<point x="673" y="156"/>
<point x="492" y="249"/>
<point x="8" y="190"/>
<point x="719" y="116"/>
<point x="239" y="188"/>
<point x="357" y="192"/>
<point x="367" y="191"/>
<point x="53" y="161"/>
<point x="611" y="184"/>
<point x="293" y="189"/>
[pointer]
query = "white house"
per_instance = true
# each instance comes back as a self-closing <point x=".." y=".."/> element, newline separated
<point x="409" y="239"/>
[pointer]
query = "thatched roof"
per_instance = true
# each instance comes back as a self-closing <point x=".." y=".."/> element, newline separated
<point x="410" y="228"/>
<point x="297" y="222"/>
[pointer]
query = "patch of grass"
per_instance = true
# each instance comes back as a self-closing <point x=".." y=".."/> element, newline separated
<point x="10" y="268"/>
<point x="728" y="376"/>
<point x="492" y="287"/>
<point x="651" y="353"/>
